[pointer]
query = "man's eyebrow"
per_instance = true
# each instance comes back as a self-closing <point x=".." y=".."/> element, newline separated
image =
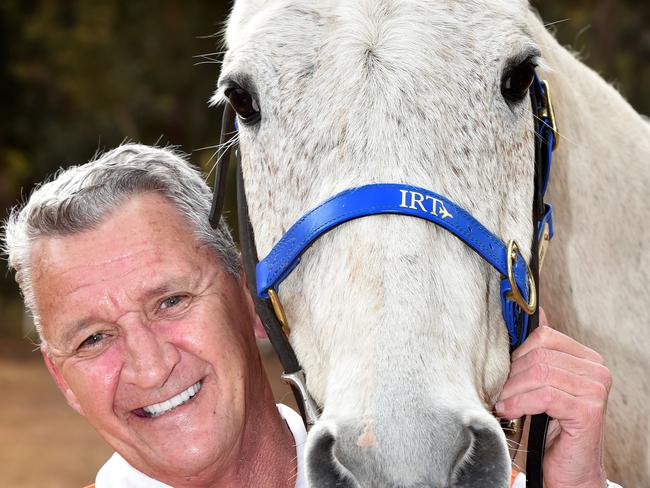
<point x="156" y="291"/>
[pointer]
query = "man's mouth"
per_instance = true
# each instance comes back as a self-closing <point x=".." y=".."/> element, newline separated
<point x="158" y="409"/>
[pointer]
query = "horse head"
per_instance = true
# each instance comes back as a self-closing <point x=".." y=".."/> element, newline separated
<point x="396" y="322"/>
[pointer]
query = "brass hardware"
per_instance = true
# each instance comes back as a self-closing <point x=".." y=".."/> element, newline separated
<point x="527" y="306"/>
<point x="543" y="245"/>
<point x="279" y="311"/>
<point x="514" y="425"/>
<point x="548" y="112"/>
<point x="511" y="427"/>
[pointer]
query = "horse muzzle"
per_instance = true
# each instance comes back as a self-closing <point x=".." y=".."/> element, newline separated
<point x="438" y="451"/>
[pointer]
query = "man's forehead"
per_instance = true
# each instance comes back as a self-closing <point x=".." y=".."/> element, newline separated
<point x="71" y="263"/>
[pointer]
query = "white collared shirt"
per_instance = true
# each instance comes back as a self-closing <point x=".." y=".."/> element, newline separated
<point x="117" y="473"/>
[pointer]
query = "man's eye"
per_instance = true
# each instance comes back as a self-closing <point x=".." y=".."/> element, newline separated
<point x="173" y="301"/>
<point x="92" y="341"/>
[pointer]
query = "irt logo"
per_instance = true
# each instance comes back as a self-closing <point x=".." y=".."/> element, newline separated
<point x="426" y="203"/>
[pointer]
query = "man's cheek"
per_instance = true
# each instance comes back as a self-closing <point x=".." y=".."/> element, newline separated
<point x="195" y="334"/>
<point x="95" y="381"/>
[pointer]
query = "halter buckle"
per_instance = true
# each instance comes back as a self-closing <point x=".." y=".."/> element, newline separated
<point x="515" y="294"/>
<point x="279" y="311"/>
<point x="547" y="112"/>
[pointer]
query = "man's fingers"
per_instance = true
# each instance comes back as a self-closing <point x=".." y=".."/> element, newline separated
<point x="581" y="367"/>
<point x="571" y="411"/>
<point x="542" y="374"/>
<point x="548" y="338"/>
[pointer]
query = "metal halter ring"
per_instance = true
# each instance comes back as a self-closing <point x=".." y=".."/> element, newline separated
<point x="515" y="294"/>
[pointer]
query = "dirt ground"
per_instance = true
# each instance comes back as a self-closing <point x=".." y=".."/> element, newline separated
<point x="43" y="442"/>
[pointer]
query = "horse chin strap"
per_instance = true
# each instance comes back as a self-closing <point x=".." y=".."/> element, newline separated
<point x="519" y="293"/>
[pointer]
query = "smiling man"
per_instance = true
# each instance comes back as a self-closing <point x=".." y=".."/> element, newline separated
<point x="147" y="327"/>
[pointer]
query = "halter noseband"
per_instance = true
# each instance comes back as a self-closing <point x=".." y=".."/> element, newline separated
<point x="519" y="295"/>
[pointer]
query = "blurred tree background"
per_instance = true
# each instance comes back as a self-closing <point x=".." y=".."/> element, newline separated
<point x="78" y="76"/>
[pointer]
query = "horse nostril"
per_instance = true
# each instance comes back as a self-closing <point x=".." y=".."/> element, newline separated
<point x="323" y="469"/>
<point x="464" y="452"/>
<point x="481" y="461"/>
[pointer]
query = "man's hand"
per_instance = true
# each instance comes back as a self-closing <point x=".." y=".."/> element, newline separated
<point x="552" y="373"/>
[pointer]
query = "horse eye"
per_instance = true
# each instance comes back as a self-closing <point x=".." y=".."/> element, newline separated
<point x="244" y="104"/>
<point x="517" y="81"/>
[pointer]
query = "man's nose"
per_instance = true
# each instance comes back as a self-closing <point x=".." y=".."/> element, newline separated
<point x="149" y="357"/>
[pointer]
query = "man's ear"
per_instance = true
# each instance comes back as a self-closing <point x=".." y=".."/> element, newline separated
<point x="61" y="382"/>
<point x="258" y="328"/>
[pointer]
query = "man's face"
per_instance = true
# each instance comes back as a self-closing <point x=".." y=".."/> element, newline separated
<point x="150" y="338"/>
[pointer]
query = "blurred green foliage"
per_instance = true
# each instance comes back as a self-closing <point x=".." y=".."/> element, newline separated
<point x="78" y="76"/>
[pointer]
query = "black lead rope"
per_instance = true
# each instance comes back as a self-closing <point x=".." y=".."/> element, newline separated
<point x="538" y="423"/>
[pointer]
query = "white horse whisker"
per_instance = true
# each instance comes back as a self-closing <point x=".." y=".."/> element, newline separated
<point x="220" y="147"/>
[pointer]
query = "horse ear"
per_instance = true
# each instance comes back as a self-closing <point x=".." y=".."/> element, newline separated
<point x="54" y="370"/>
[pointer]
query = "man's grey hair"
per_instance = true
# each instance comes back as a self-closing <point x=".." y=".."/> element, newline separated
<point x="80" y="198"/>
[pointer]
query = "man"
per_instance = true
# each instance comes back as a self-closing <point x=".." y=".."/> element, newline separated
<point x="146" y="325"/>
<point x="148" y="330"/>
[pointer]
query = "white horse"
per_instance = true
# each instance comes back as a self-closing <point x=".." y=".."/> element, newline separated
<point x="396" y="322"/>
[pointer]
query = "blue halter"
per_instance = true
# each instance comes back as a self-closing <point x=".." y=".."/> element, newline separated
<point x="399" y="199"/>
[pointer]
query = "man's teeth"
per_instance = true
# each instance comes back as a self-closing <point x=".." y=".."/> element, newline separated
<point x="159" y="408"/>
